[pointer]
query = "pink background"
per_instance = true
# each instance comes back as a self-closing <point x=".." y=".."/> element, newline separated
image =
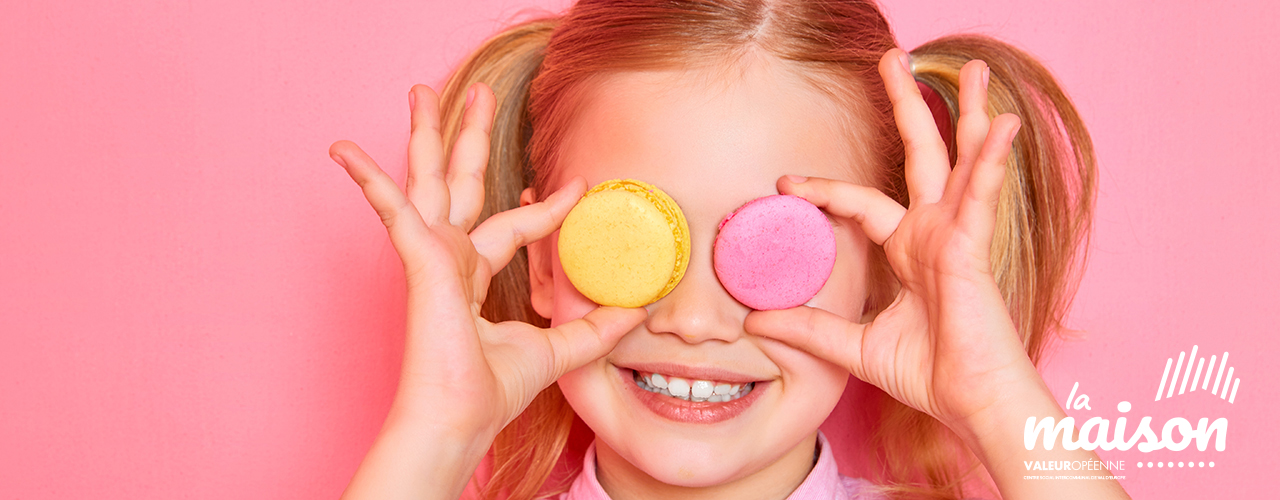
<point x="195" y="302"/>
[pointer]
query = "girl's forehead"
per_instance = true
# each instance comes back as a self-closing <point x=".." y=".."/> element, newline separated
<point x="716" y="137"/>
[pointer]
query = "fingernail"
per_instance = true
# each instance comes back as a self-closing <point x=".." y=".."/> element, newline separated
<point x="986" y="76"/>
<point x="796" y="179"/>
<point x="565" y="191"/>
<point x="906" y="60"/>
<point x="338" y="160"/>
<point x="413" y="101"/>
<point x="471" y="96"/>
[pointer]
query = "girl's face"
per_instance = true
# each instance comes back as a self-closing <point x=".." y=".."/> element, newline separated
<point x="713" y="141"/>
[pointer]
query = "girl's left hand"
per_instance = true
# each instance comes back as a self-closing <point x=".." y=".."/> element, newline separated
<point x="947" y="345"/>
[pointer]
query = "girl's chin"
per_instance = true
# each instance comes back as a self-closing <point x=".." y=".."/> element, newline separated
<point x="701" y="463"/>
<point x="692" y="468"/>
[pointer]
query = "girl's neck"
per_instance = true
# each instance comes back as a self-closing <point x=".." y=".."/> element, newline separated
<point x="623" y="481"/>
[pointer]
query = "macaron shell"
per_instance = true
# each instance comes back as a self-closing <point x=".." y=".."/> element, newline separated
<point x="625" y="243"/>
<point x="775" y="252"/>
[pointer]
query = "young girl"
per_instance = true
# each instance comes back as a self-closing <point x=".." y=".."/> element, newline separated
<point x="954" y="258"/>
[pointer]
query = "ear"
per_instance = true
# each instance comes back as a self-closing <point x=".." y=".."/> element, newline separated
<point x="541" y="284"/>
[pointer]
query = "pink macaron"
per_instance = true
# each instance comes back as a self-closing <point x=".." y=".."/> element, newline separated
<point x="775" y="252"/>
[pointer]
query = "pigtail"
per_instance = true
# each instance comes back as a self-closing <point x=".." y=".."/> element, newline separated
<point x="1042" y="230"/>
<point x="507" y="63"/>
<point x="526" y="451"/>
<point x="1047" y="200"/>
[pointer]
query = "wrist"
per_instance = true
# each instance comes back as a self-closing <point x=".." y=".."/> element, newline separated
<point x="999" y="426"/>
<point x="418" y="458"/>
<point x="436" y="428"/>
<point x="421" y="408"/>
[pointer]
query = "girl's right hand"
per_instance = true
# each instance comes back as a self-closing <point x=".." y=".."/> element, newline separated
<point x="464" y="376"/>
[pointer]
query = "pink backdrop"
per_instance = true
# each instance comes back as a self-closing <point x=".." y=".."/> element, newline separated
<point x="196" y="302"/>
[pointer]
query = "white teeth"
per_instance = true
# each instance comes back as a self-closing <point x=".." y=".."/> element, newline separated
<point x="692" y="390"/>
<point x="678" y="387"/>
<point x="702" y="389"/>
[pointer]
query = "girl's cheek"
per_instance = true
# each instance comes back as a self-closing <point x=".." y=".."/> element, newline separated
<point x="809" y="378"/>
<point x="846" y="290"/>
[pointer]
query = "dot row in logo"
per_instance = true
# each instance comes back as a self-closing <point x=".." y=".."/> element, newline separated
<point x="1171" y="465"/>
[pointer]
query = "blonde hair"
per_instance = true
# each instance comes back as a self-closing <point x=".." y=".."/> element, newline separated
<point x="537" y="68"/>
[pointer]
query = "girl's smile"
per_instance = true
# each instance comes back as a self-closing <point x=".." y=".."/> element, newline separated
<point x="688" y="398"/>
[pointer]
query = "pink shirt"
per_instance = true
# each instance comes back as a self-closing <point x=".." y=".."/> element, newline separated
<point x="823" y="483"/>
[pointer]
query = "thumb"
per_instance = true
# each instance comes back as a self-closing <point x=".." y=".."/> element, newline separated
<point x="815" y="331"/>
<point x="590" y="337"/>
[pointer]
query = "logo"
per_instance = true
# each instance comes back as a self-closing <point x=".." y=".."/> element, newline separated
<point x="1183" y="388"/>
<point x="1176" y="434"/>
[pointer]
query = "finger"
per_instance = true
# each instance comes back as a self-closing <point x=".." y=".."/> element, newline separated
<point x="425" y="183"/>
<point x="927" y="164"/>
<point x="590" y="337"/>
<point x="973" y="124"/>
<point x="498" y="238"/>
<point x="815" y="331"/>
<point x="402" y="220"/>
<point x="981" y="199"/>
<point x="875" y="212"/>
<point x="470" y="157"/>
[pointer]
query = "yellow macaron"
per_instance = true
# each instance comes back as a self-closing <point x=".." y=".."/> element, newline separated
<point x="626" y="243"/>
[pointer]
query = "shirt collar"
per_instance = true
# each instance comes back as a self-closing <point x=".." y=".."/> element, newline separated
<point x="823" y="482"/>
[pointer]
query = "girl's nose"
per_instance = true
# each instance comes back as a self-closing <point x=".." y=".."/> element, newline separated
<point x="699" y="308"/>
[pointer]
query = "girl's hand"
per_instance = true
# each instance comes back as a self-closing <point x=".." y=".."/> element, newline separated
<point x="947" y="345"/>
<point x="464" y="376"/>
